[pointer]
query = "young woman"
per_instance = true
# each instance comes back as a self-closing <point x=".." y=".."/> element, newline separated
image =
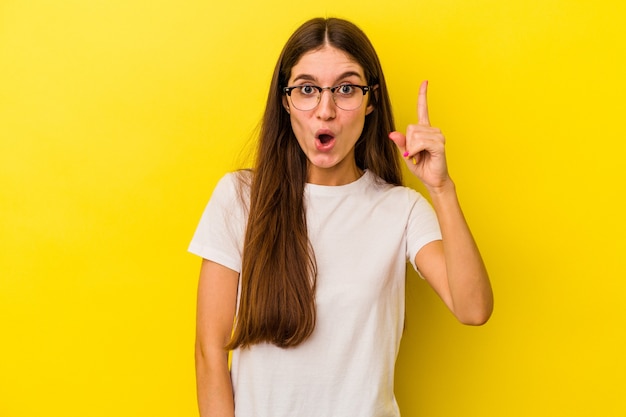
<point x="306" y="253"/>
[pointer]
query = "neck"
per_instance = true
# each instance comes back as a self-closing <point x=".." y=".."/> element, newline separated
<point x="337" y="175"/>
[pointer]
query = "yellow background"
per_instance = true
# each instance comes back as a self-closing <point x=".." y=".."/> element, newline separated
<point x="118" y="117"/>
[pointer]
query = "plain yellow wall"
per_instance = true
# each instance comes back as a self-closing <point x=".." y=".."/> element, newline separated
<point x="118" y="117"/>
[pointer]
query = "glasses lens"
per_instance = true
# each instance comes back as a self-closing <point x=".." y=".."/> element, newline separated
<point x="348" y="97"/>
<point x="305" y="97"/>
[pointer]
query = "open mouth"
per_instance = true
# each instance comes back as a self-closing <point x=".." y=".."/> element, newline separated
<point x="324" y="140"/>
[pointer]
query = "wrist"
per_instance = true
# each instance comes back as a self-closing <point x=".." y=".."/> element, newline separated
<point x="446" y="187"/>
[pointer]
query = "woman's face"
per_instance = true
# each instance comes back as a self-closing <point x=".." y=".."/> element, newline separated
<point x="327" y="134"/>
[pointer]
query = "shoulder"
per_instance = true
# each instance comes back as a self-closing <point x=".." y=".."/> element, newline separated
<point x="234" y="183"/>
<point x="231" y="193"/>
<point x="235" y="179"/>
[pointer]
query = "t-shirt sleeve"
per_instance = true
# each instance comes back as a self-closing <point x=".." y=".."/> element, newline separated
<point x="220" y="232"/>
<point x="422" y="227"/>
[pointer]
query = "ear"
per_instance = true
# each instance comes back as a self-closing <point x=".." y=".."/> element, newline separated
<point x="286" y="104"/>
<point x="373" y="98"/>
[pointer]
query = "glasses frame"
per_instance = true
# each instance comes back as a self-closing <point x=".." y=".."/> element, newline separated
<point x="364" y="88"/>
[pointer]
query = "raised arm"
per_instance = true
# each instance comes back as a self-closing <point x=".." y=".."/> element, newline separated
<point x="452" y="266"/>
<point x="217" y="300"/>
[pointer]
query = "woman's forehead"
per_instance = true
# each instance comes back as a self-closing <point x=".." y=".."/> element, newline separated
<point x="326" y="63"/>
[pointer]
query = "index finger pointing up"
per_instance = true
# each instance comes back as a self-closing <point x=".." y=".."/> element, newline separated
<point x="422" y="105"/>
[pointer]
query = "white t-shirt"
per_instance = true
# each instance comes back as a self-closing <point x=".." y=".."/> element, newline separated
<point x="362" y="234"/>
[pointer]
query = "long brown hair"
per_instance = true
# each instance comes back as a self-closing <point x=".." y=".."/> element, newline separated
<point x="278" y="275"/>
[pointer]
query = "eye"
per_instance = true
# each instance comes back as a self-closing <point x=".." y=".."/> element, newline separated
<point x="346" y="89"/>
<point x="308" y="90"/>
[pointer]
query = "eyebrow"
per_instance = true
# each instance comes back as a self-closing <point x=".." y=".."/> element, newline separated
<point x="307" y="77"/>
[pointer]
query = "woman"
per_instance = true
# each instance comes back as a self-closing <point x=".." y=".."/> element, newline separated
<point x="306" y="253"/>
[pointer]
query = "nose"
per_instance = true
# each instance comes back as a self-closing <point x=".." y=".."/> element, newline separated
<point x="326" y="108"/>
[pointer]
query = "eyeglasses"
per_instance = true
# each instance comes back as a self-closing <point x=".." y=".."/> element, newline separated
<point x="346" y="96"/>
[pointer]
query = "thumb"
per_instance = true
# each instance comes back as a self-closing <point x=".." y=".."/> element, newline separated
<point x="399" y="139"/>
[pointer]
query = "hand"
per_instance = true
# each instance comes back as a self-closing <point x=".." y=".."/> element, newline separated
<point x="423" y="147"/>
